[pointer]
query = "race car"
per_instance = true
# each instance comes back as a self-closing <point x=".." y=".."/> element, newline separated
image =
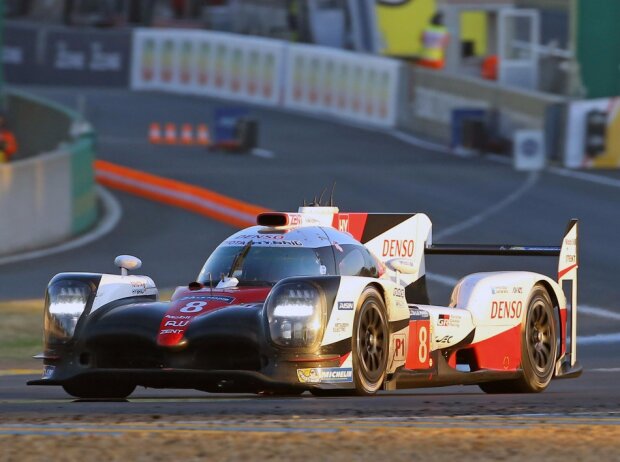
<point x="319" y="301"/>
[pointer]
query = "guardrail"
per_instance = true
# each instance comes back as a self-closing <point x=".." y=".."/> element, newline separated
<point x="47" y="197"/>
<point x="313" y="79"/>
<point x="208" y="63"/>
<point x="347" y="85"/>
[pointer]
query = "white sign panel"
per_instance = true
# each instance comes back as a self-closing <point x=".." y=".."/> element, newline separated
<point x="529" y="150"/>
<point x="208" y="63"/>
<point x="344" y="84"/>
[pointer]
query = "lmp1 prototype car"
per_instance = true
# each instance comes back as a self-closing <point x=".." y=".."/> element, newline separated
<point x="319" y="301"/>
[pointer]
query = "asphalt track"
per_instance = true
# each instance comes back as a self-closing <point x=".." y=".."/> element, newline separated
<point x="374" y="172"/>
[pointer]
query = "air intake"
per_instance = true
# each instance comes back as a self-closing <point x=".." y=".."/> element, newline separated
<point x="273" y="220"/>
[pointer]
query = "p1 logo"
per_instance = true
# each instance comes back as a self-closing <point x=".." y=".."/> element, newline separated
<point x="400" y="350"/>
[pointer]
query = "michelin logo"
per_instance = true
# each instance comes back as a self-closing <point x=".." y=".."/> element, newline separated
<point x="325" y="375"/>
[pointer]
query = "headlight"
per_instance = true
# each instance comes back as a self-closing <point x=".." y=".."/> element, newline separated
<point x="65" y="303"/>
<point x="295" y="311"/>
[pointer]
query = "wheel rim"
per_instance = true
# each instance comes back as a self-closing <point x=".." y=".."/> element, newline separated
<point x="371" y="342"/>
<point x="540" y="339"/>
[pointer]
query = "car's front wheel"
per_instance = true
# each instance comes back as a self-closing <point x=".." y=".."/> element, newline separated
<point x="370" y="343"/>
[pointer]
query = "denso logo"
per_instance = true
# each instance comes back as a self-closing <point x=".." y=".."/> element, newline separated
<point x="506" y="310"/>
<point x="398" y="248"/>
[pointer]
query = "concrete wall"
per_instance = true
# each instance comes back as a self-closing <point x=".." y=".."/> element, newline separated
<point x="39" y="126"/>
<point x="49" y="197"/>
<point x="434" y="95"/>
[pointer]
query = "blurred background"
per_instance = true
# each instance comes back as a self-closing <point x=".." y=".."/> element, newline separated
<point x="269" y="101"/>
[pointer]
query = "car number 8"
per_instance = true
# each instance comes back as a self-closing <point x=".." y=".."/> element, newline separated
<point x="193" y="307"/>
<point x="423" y="347"/>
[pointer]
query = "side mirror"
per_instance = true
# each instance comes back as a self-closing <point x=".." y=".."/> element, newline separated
<point x="402" y="265"/>
<point x="127" y="262"/>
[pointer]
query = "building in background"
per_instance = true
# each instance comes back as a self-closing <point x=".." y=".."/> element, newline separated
<point x="598" y="46"/>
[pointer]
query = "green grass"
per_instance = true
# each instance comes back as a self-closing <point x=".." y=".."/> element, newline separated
<point x="21" y="332"/>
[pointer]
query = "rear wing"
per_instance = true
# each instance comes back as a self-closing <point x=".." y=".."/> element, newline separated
<point x="568" y="263"/>
<point x="568" y="251"/>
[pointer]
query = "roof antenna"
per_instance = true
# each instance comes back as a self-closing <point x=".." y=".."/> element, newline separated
<point x="331" y="196"/>
<point x="321" y="197"/>
<point x="305" y="202"/>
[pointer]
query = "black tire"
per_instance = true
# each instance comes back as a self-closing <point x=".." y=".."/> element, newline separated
<point x="538" y="348"/>
<point x="370" y="343"/>
<point x="98" y="390"/>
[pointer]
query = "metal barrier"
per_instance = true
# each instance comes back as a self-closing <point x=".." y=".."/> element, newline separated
<point x="434" y="96"/>
<point x="321" y="80"/>
<point x="47" y="197"/>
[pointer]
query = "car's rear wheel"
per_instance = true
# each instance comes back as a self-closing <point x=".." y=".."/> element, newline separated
<point x="370" y="343"/>
<point x="99" y="390"/>
<point x="538" y="348"/>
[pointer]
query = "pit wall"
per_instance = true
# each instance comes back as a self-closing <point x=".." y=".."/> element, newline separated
<point x="48" y="194"/>
<point x="434" y="97"/>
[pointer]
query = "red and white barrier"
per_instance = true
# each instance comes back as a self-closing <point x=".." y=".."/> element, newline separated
<point x="318" y="80"/>
<point x="343" y="84"/>
<point x="208" y="63"/>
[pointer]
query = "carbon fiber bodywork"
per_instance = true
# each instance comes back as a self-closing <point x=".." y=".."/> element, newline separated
<point x="225" y="350"/>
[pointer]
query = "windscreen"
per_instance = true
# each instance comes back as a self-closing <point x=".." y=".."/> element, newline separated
<point x="262" y="265"/>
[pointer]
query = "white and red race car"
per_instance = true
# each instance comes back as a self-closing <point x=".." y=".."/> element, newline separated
<point x="316" y="300"/>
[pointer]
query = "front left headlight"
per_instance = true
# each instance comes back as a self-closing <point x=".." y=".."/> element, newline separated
<point x="64" y="304"/>
<point x="296" y="314"/>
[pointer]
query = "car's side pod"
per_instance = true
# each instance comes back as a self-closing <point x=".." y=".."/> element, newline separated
<point x="568" y="264"/>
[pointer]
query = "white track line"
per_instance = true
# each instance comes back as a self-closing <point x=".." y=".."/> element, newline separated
<point x="590" y="177"/>
<point x="420" y="143"/>
<point x="560" y="171"/>
<point x="263" y="153"/>
<point x="598" y="312"/>
<point x="599" y="339"/>
<point x="475" y="220"/>
<point x="112" y="213"/>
